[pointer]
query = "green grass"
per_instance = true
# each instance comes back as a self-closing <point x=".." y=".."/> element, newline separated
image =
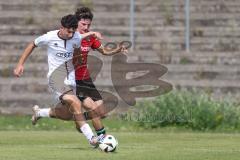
<point x="64" y="145"/>
<point x="55" y="139"/>
<point x="23" y="123"/>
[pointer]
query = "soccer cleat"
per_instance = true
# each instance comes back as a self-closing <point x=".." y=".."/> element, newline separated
<point x="101" y="137"/>
<point x="94" y="142"/>
<point x="35" y="116"/>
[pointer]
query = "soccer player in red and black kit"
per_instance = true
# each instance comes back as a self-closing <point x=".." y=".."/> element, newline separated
<point x="85" y="89"/>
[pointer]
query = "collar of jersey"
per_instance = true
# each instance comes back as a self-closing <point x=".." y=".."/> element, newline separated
<point x="62" y="38"/>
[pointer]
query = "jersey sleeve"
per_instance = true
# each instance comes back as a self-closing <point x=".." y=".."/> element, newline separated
<point x="96" y="44"/>
<point x="79" y="36"/>
<point x="41" y="41"/>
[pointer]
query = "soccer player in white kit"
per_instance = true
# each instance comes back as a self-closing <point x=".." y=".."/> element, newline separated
<point x="61" y="44"/>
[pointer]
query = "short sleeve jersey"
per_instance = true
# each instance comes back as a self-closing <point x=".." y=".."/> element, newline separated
<point x="59" y="51"/>
<point x="81" y="70"/>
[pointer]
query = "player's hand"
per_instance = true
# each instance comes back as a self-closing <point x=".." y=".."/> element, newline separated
<point x="98" y="35"/>
<point x="18" y="71"/>
<point x="124" y="45"/>
<point x="123" y="50"/>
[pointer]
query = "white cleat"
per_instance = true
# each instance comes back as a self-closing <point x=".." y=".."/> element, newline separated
<point x="35" y="116"/>
<point x="94" y="142"/>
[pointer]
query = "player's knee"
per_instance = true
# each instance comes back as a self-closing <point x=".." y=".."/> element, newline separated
<point x="89" y="104"/>
<point x="100" y="111"/>
<point x="71" y="99"/>
<point x="99" y="102"/>
<point x="91" y="107"/>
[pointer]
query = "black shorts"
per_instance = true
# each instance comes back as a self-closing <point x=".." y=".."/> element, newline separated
<point x="86" y="88"/>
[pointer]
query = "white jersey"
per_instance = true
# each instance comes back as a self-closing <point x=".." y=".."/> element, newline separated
<point x="60" y="54"/>
<point x="59" y="50"/>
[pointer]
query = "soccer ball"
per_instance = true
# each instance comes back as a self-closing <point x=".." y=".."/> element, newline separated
<point x="108" y="144"/>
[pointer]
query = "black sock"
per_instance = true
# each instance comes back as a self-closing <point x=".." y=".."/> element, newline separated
<point x="86" y="115"/>
<point x="101" y="131"/>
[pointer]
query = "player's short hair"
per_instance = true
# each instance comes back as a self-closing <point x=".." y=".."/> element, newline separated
<point x="84" y="13"/>
<point x="69" y="21"/>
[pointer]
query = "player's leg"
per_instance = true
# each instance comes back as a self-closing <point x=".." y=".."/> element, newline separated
<point x="88" y="94"/>
<point x="74" y="105"/>
<point x="68" y="109"/>
<point x="95" y="114"/>
<point x="60" y="111"/>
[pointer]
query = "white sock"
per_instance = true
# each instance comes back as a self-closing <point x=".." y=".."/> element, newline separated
<point x="87" y="131"/>
<point x="44" y="112"/>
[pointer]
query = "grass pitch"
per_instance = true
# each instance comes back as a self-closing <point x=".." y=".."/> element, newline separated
<point x="152" y="145"/>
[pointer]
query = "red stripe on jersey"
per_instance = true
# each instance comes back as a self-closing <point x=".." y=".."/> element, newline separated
<point x="81" y="70"/>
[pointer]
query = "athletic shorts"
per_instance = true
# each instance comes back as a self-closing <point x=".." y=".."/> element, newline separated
<point x="86" y="88"/>
<point x="59" y="90"/>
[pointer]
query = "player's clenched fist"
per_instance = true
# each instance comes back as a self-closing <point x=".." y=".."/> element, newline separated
<point x="18" y="71"/>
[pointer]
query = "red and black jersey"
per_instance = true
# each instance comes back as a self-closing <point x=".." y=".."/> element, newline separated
<point x="81" y="70"/>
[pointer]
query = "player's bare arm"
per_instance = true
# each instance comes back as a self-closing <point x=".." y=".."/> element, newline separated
<point x="109" y="52"/>
<point x="96" y="34"/>
<point x="18" y="71"/>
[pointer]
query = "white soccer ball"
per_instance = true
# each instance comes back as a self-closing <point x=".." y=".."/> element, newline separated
<point x="108" y="144"/>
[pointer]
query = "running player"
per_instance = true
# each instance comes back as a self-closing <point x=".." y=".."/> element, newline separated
<point x="60" y="46"/>
<point x="85" y="89"/>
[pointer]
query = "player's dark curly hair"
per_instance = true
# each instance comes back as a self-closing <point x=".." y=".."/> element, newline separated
<point x="84" y="13"/>
<point x="69" y="21"/>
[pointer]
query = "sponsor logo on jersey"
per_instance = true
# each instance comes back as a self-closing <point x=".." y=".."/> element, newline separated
<point x="85" y="49"/>
<point x="64" y="55"/>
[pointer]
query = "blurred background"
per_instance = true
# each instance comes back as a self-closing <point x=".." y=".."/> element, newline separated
<point x="198" y="41"/>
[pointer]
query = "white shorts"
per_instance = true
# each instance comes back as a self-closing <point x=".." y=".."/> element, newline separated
<point x="57" y="93"/>
<point x="59" y="87"/>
